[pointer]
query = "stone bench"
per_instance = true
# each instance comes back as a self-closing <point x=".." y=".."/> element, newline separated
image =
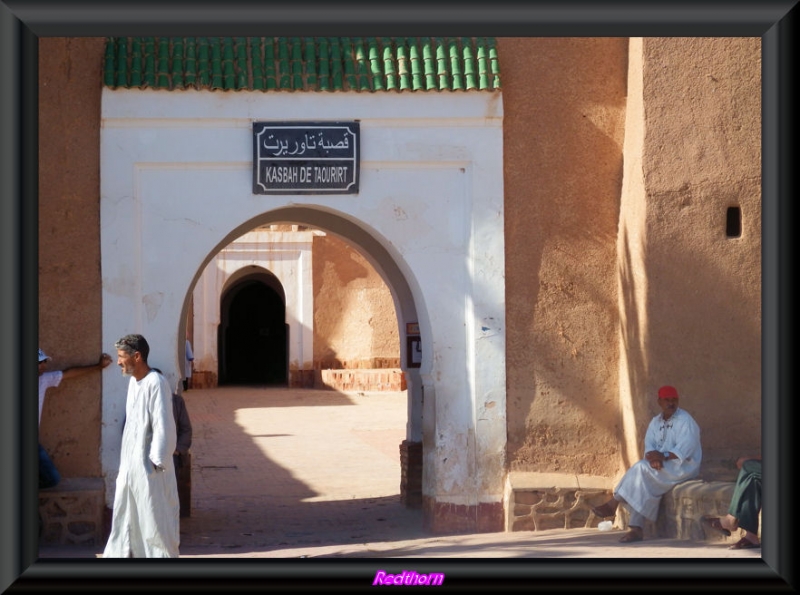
<point x="72" y="511"/>
<point x="541" y="501"/>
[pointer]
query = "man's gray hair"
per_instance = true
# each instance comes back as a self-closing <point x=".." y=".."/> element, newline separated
<point x="130" y="344"/>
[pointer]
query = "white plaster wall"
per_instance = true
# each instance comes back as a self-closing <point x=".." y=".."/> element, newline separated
<point x="176" y="179"/>
<point x="285" y="255"/>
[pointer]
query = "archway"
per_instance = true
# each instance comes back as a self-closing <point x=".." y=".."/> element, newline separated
<point x="253" y="334"/>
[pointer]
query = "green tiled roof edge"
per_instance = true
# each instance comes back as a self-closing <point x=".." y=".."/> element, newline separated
<point x="317" y="64"/>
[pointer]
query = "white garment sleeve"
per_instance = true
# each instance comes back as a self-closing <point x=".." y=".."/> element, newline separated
<point x="650" y="436"/>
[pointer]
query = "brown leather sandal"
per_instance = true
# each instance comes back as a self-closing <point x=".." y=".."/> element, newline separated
<point x="604" y="511"/>
<point x="631" y="536"/>
<point x="714" y="524"/>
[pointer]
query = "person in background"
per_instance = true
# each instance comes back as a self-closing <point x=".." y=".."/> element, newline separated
<point x="745" y="505"/>
<point x="145" y="522"/>
<point x="672" y="455"/>
<point x="48" y="474"/>
<point x="188" y="365"/>
<point x="180" y="458"/>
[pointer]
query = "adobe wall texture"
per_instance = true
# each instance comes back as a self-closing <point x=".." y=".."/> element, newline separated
<point x="69" y="247"/>
<point x="355" y="325"/>
<point x="621" y="160"/>
<point x="701" y="155"/>
<point x="564" y="116"/>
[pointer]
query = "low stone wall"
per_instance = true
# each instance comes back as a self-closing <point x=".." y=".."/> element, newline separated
<point x="72" y="512"/>
<point x="363" y="379"/>
<point x="541" y="501"/>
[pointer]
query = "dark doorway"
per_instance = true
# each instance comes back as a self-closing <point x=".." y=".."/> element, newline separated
<point x="253" y="336"/>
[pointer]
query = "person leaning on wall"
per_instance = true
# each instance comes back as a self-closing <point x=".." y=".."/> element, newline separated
<point x="48" y="474"/>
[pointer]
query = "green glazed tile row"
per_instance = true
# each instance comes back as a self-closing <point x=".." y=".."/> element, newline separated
<point x="303" y="63"/>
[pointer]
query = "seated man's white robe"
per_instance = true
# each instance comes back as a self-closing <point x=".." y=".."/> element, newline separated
<point x="642" y="486"/>
<point x="145" y="521"/>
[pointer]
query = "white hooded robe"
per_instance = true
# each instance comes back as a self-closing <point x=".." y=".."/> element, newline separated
<point x="145" y="521"/>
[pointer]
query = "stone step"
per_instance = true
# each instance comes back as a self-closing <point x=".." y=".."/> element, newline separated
<point x="72" y="512"/>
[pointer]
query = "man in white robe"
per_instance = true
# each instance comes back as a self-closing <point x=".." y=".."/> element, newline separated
<point x="145" y="521"/>
<point x="672" y="455"/>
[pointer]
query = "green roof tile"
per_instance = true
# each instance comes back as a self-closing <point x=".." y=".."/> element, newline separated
<point x="149" y="62"/>
<point x="216" y="64"/>
<point x="177" y="63"/>
<point x="136" y="62"/>
<point x="227" y="63"/>
<point x="415" y="61"/>
<point x="403" y="65"/>
<point x="469" y="63"/>
<point x="336" y="64"/>
<point x="257" y="64"/>
<point x="324" y="65"/>
<point x="392" y="83"/>
<point x="240" y="67"/>
<point x="122" y="63"/>
<point x="162" y="75"/>
<point x="191" y="61"/>
<point x="283" y="64"/>
<point x="349" y="63"/>
<point x="494" y="63"/>
<point x="270" y="64"/>
<point x="297" y="63"/>
<point x="311" y="62"/>
<point x="427" y="63"/>
<point x="203" y="74"/>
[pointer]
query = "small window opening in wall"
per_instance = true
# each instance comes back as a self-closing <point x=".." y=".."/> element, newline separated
<point x="733" y="224"/>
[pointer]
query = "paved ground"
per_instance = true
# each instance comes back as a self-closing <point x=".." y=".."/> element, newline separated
<point x="315" y="474"/>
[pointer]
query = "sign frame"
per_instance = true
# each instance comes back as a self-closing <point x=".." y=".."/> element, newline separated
<point x="306" y="157"/>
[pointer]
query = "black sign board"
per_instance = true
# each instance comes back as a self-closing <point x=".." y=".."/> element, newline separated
<point x="305" y="157"/>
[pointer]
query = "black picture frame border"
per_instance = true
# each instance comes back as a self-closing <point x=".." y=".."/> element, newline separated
<point x="22" y="22"/>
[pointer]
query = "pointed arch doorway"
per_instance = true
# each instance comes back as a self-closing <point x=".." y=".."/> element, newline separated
<point x="253" y="334"/>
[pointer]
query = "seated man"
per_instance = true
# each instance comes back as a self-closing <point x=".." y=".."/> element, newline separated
<point x="745" y="505"/>
<point x="672" y="455"/>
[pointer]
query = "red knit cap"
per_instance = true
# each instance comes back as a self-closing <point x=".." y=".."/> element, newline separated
<point x="667" y="392"/>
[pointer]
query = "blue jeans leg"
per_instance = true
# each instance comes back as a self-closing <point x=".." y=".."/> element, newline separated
<point x="48" y="474"/>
